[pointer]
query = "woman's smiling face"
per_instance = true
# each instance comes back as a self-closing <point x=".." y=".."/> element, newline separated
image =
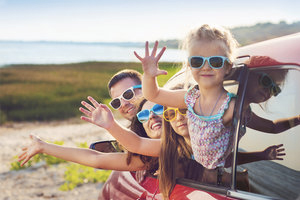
<point x="179" y="124"/>
<point x="153" y="126"/>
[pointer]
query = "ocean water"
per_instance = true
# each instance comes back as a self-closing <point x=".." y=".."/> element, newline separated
<point x="67" y="52"/>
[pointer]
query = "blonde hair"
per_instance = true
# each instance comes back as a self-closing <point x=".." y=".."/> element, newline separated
<point x="209" y="33"/>
<point x="212" y="33"/>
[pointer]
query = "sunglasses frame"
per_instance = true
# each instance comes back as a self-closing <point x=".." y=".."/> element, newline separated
<point x="176" y="110"/>
<point x="149" y="112"/>
<point x="122" y="97"/>
<point x="207" y="59"/>
<point x="274" y="88"/>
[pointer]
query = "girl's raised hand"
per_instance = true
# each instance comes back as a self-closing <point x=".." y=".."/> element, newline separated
<point x="150" y="62"/>
<point x="98" y="114"/>
<point x="31" y="150"/>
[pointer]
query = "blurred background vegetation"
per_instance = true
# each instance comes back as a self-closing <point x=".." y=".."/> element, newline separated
<point x="54" y="92"/>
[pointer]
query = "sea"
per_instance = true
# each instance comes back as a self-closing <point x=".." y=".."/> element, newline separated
<point x="42" y="52"/>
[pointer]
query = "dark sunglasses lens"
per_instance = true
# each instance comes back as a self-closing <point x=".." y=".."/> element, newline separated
<point x="216" y="62"/>
<point x="266" y="81"/>
<point x="143" y="116"/>
<point x="128" y="94"/>
<point x="275" y="90"/>
<point x="182" y="111"/>
<point x="196" y="62"/>
<point x="116" y="103"/>
<point x="158" y="109"/>
<point x="169" y="114"/>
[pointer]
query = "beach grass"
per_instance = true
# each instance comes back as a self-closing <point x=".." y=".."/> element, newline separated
<point x="54" y="92"/>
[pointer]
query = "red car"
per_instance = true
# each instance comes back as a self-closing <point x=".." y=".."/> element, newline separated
<point x="268" y="179"/>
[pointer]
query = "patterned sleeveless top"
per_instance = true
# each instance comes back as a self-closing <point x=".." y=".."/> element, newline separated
<point x="211" y="141"/>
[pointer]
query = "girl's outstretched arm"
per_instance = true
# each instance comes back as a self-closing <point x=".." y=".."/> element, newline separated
<point x="276" y="126"/>
<point x="88" y="157"/>
<point x="101" y="115"/>
<point x="151" y="90"/>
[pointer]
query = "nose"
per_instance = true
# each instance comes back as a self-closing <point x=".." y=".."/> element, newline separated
<point x="152" y="115"/>
<point x="206" y="65"/>
<point x="179" y="117"/>
<point x="124" y="102"/>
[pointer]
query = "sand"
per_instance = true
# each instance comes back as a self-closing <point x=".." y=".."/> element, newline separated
<point x="42" y="181"/>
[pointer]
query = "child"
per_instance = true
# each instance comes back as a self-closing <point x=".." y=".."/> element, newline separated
<point x="210" y="106"/>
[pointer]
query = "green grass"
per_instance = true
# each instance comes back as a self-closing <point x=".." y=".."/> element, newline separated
<point x="74" y="175"/>
<point x="54" y="92"/>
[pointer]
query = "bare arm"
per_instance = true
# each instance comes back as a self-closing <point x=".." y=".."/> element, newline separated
<point x="276" y="126"/>
<point x="274" y="152"/>
<point x="151" y="90"/>
<point x="100" y="115"/>
<point x="87" y="157"/>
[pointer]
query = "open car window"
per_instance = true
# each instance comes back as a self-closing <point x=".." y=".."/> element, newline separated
<point x="272" y="93"/>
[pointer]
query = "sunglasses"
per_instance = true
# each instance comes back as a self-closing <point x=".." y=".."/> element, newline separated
<point x="143" y="115"/>
<point x="215" y="62"/>
<point x="170" y="113"/>
<point x="267" y="82"/>
<point x="126" y="95"/>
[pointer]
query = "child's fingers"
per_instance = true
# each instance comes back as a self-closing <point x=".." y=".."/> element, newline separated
<point x="88" y="106"/>
<point x="160" y="53"/>
<point x="86" y="112"/>
<point x="138" y="57"/>
<point x="147" y="49"/>
<point x="161" y="72"/>
<point x="154" y="49"/>
<point x="94" y="102"/>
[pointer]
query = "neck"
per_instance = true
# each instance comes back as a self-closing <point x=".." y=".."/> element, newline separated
<point x="187" y="140"/>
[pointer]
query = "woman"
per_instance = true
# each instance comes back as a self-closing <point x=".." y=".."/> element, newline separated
<point x="113" y="161"/>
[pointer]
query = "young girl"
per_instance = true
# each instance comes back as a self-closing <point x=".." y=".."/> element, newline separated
<point x="210" y="106"/>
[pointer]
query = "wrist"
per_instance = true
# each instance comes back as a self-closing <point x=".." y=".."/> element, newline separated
<point x="111" y="126"/>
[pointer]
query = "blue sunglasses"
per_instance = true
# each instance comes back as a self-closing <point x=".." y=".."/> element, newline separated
<point x="143" y="115"/>
<point x="215" y="62"/>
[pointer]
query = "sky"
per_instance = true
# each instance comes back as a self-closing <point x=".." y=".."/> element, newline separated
<point x="132" y="20"/>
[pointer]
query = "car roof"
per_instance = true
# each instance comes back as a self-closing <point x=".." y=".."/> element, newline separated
<point x="282" y="50"/>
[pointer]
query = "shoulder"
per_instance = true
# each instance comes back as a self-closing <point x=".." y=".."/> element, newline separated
<point x="228" y="115"/>
<point x="192" y="92"/>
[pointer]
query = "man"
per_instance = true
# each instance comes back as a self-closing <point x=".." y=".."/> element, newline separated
<point x="120" y="87"/>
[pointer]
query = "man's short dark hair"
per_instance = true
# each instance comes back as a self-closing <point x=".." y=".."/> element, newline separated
<point x="126" y="73"/>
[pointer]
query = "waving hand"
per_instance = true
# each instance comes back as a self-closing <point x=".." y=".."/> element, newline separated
<point x="98" y="114"/>
<point x="150" y="62"/>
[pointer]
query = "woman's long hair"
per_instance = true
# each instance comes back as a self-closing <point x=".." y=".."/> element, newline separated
<point x="173" y="149"/>
<point x="137" y="127"/>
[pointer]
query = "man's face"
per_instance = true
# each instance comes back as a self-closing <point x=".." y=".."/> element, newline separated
<point x="128" y="110"/>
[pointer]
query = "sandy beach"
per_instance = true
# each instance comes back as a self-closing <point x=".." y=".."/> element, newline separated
<point x="42" y="181"/>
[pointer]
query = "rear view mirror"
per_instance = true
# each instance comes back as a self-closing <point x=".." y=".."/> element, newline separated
<point x="106" y="146"/>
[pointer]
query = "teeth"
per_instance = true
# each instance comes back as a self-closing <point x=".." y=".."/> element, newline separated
<point x="129" y="110"/>
<point x="155" y="125"/>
